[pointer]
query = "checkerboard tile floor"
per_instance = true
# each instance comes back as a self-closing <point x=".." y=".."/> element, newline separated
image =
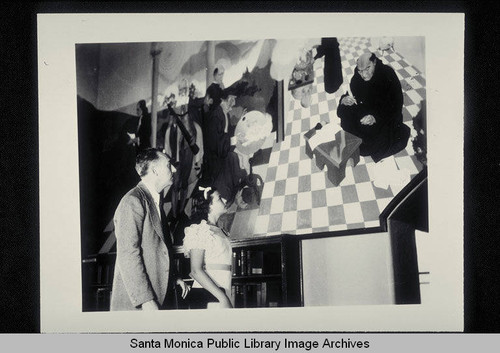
<point x="298" y="198"/>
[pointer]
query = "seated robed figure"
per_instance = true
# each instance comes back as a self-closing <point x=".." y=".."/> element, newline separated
<point x="374" y="111"/>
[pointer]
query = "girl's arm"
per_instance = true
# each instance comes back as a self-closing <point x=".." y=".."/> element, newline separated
<point x="199" y="274"/>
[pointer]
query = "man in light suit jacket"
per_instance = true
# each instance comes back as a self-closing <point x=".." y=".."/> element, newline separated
<point x="142" y="269"/>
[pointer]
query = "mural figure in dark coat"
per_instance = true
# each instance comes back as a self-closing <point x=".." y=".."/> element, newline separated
<point x="329" y="48"/>
<point x="374" y="111"/>
<point x="143" y="126"/>
<point x="216" y="139"/>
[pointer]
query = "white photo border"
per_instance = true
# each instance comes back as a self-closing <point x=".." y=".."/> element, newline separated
<point x="60" y="257"/>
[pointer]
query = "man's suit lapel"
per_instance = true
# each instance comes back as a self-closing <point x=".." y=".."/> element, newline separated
<point x="164" y="224"/>
<point x="153" y="211"/>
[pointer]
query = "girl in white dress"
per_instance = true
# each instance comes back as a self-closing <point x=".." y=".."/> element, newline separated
<point x="209" y="250"/>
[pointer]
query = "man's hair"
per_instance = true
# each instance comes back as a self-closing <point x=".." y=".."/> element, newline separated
<point x="373" y="58"/>
<point x="144" y="160"/>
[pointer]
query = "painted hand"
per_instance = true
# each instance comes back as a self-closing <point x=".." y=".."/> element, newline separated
<point x="368" y="120"/>
<point x="348" y="100"/>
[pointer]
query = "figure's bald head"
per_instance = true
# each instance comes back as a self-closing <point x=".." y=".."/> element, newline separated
<point x="364" y="60"/>
<point x="366" y="65"/>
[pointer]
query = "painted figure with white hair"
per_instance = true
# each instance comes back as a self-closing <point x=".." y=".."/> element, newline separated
<point x="214" y="91"/>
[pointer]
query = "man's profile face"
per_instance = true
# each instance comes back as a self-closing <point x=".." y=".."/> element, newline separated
<point x="366" y="69"/>
<point x="164" y="170"/>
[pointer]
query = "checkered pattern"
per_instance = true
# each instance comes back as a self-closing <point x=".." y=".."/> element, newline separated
<point x="298" y="198"/>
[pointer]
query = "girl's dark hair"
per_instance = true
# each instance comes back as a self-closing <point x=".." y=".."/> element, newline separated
<point x="200" y="204"/>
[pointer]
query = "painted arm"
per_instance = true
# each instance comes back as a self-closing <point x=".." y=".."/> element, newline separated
<point x="199" y="274"/>
<point x="198" y="158"/>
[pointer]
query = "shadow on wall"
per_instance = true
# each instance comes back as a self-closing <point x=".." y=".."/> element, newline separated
<point x="106" y="170"/>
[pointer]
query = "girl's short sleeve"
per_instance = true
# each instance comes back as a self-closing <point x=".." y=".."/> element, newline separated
<point x="198" y="236"/>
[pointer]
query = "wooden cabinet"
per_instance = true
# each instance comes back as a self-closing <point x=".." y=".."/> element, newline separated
<point x="266" y="272"/>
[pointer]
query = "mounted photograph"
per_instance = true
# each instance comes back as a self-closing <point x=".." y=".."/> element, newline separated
<point x="259" y="172"/>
